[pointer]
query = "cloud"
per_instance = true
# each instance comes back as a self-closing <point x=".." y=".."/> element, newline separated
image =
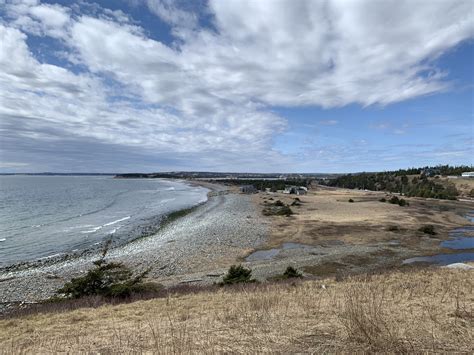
<point x="208" y="96"/>
<point x="39" y="19"/>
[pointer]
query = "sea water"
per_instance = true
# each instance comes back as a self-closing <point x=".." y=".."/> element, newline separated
<point x="47" y="216"/>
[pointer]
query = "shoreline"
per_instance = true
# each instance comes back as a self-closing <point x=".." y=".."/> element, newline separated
<point x="197" y="247"/>
<point x="149" y="228"/>
<point x="205" y="236"/>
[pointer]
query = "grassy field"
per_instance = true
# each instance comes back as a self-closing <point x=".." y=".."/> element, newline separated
<point x="325" y="216"/>
<point x="424" y="310"/>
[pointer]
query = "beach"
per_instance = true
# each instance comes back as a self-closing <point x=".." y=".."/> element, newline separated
<point x="326" y="236"/>
<point x="212" y="235"/>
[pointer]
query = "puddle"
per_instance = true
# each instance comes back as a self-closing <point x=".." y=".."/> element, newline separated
<point x="263" y="255"/>
<point x="272" y="253"/>
<point x="460" y="239"/>
<point x="442" y="259"/>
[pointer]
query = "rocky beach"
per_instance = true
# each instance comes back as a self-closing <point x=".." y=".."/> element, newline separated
<point x="199" y="245"/>
<point x="211" y="235"/>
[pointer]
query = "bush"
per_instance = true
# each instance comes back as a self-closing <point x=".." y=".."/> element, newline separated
<point x="351" y="200"/>
<point x="394" y="200"/>
<point x="428" y="229"/>
<point x="291" y="272"/>
<point x="277" y="211"/>
<point x="109" y="279"/>
<point x="278" y="203"/>
<point x="285" y="211"/>
<point x="402" y="202"/>
<point x="383" y="199"/>
<point x="393" y="228"/>
<point x="237" y="274"/>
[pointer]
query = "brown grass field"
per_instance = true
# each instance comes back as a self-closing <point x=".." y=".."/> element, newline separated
<point x="326" y="216"/>
<point x="421" y="310"/>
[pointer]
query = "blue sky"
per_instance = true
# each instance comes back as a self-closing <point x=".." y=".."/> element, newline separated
<point x="257" y="86"/>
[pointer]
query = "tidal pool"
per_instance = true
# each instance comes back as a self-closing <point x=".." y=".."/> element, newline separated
<point x="461" y="239"/>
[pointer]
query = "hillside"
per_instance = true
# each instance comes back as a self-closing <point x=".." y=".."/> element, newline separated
<point x="420" y="310"/>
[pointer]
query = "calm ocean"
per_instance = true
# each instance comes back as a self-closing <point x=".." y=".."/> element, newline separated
<point x="45" y="216"/>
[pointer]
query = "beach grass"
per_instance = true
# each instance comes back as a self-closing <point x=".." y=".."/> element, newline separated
<point x="422" y="310"/>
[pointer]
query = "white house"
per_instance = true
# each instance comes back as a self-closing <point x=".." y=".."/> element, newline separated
<point x="297" y="190"/>
<point x="468" y="174"/>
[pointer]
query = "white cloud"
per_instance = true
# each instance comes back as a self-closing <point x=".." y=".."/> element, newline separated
<point x="213" y="89"/>
<point x="39" y="19"/>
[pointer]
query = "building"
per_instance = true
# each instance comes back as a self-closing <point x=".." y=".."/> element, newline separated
<point x="468" y="174"/>
<point x="296" y="190"/>
<point x="248" y="189"/>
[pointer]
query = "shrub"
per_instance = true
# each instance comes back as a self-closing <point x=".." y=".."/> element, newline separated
<point x="402" y="202"/>
<point x="393" y="228"/>
<point x="427" y="229"/>
<point x="394" y="200"/>
<point x="237" y="274"/>
<point x="277" y="211"/>
<point x="291" y="272"/>
<point x="383" y="199"/>
<point x="285" y="211"/>
<point x="351" y="200"/>
<point x="109" y="279"/>
<point x="279" y="203"/>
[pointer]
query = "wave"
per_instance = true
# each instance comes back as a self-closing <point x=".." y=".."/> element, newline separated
<point x="167" y="200"/>
<point x="95" y="229"/>
<point x="92" y="230"/>
<point x="3" y="239"/>
<point x="115" y="222"/>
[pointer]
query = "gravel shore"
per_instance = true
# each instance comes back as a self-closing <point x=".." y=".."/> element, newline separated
<point x="198" y="248"/>
<point x="225" y="227"/>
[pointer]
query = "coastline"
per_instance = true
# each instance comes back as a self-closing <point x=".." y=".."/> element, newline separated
<point x="207" y="236"/>
<point x="149" y="227"/>
<point x="196" y="246"/>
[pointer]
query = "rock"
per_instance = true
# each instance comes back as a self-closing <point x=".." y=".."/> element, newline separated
<point x="461" y="266"/>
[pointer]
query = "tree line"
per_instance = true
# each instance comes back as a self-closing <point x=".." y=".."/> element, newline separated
<point x="399" y="181"/>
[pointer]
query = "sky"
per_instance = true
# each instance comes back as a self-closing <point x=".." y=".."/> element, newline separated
<point x="236" y="86"/>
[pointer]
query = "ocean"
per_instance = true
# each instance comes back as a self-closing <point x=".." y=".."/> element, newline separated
<point x="48" y="216"/>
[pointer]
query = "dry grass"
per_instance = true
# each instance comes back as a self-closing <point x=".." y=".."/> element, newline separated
<point x="325" y="216"/>
<point x="422" y="311"/>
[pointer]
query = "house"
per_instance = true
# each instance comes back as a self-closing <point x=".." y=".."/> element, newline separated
<point x="248" y="189"/>
<point x="296" y="190"/>
<point x="468" y="174"/>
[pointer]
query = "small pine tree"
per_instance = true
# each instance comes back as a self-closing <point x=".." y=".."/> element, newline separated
<point x="109" y="279"/>
<point x="291" y="272"/>
<point x="237" y="274"/>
